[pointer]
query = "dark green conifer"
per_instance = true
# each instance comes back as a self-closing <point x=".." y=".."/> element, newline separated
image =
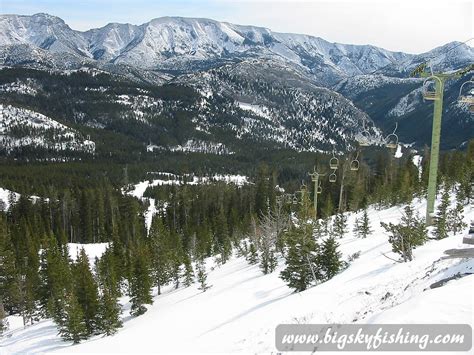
<point x="202" y="276"/>
<point x="110" y="311"/>
<point x="301" y="262"/>
<point x="329" y="259"/>
<point x="73" y="327"/>
<point x="140" y="282"/>
<point x="86" y="292"/>
<point x="188" y="271"/>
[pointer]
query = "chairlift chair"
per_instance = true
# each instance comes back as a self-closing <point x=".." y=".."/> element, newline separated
<point x="295" y="200"/>
<point x="333" y="163"/>
<point x="333" y="177"/>
<point x="467" y="97"/>
<point x="355" y="163"/>
<point x="319" y="189"/>
<point x="364" y="140"/>
<point x="430" y="94"/>
<point x="391" y="141"/>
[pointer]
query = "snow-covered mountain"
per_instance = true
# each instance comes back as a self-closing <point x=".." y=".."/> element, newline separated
<point x="183" y="44"/>
<point x="278" y="105"/>
<point x="238" y="62"/>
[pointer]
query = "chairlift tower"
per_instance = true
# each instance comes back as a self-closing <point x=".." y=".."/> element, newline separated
<point x="317" y="189"/>
<point x="435" y="94"/>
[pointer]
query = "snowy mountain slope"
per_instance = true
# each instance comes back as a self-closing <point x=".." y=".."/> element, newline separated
<point x="177" y="43"/>
<point x="390" y="99"/>
<point x="21" y="128"/>
<point x="162" y="50"/>
<point x="448" y="57"/>
<point x="254" y="104"/>
<point x="278" y="104"/>
<point x="243" y="307"/>
<point x="43" y="31"/>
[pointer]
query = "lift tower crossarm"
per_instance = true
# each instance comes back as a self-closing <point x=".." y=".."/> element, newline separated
<point x="440" y="79"/>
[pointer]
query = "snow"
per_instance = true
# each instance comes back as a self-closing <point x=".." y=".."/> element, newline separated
<point x="417" y="159"/>
<point x="259" y="110"/>
<point x="5" y="197"/>
<point x="199" y="146"/>
<point x="139" y="189"/>
<point x="93" y="250"/>
<point x="240" y="311"/>
<point x="453" y="301"/>
<point x="175" y="42"/>
<point x="399" y="153"/>
<point x="407" y="103"/>
<point x="41" y="126"/>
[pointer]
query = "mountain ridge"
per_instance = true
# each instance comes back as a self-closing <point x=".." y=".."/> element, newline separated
<point x="182" y="44"/>
<point x="227" y="59"/>
<point x="176" y="42"/>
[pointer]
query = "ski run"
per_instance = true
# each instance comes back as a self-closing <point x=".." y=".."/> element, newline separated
<point x="240" y="311"/>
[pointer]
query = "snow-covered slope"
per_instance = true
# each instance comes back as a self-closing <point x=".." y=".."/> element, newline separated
<point x="21" y="127"/>
<point x="243" y="307"/>
<point x="277" y="104"/>
<point x="177" y="43"/>
<point x="44" y="31"/>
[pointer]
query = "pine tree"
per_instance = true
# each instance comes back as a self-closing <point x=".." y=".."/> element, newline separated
<point x="140" y="282"/>
<point x="320" y="228"/>
<point x="223" y="243"/>
<point x="268" y="261"/>
<point x="261" y="194"/>
<point x="9" y="280"/>
<point x="242" y="249"/>
<point x="161" y="255"/>
<point x="301" y="260"/>
<point x="188" y="271"/>
<point x="176" y="254"/>
<point x="339" y="227"/>
<point x="362" y="226"/>
<point x="252" y="256"/>
<point x="329" y="259"/>
<point x="86" y="292"/>
<point x="110" y="311"/>
<point x="441" y="223"/>
<point x="328" y="207"/>
<point x="3" y="319"/>
<point x="271" y="226"/>
<point x="56" y="280"/>
<point x="107" y="275"/>
<point x="407" y="235"/>
<point x="73" y="327"/>
<point x="456" y="215"/>
<point x="202" y="276"/>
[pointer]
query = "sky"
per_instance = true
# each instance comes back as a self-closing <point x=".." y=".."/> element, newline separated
<point x="412" y="26"/>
